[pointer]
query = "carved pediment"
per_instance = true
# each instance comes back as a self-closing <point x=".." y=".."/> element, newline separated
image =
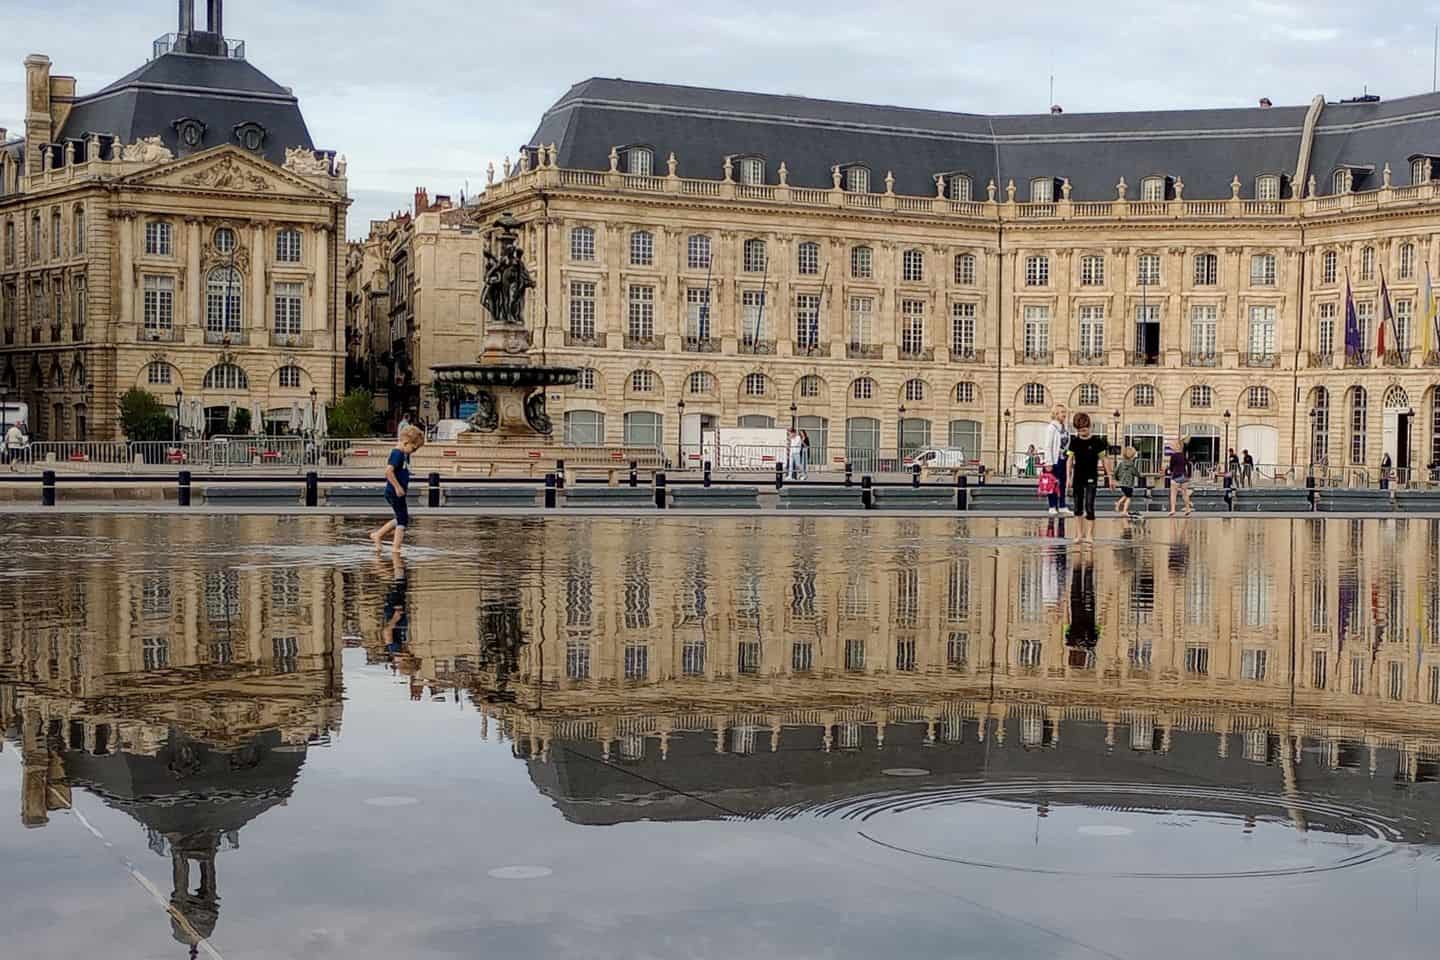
<point x="231" y="170"/>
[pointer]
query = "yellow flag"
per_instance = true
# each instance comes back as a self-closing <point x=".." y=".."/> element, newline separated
<point x="1427" y="313"/>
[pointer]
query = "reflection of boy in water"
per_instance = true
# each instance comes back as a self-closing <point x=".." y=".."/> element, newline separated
<point x="1082" y="635"/>
<point x="396" y="629"/>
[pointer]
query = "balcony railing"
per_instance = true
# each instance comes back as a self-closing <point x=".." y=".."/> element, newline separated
<point x="1432" y="359"/>
<point x="9" y="336"/>
<point x="156" y="335"/>
<point x="1259" y="360"/>
<point x="1397" y="358"/>
<point x="812" y="349"/>
<point x="35" y="335"/>
<point x="228" y="338"/>
<point x="581" y="340"/>
<point x="1088" y="358"/>
<point x="1358" y="360"/>
<point x="1317" y="358"/>
<point x="1200" y="358"/>
<point x="1134" y="359"/>
<point x="1037" y="358"/>
<point x="633" y="342"/>
<point x="700" y="345"/>
<point x="864" y="351"/>
<point x="305" y="338"/>
<point x="923" y="354"/>
<point x="77" y="332"/>
<point x="966" y="355"/>
<point x="757" y="348"/>
<point x="55" y="329"/>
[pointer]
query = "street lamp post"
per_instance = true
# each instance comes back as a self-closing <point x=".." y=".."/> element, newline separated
<point x="1005" y="458"/>
<point x="899" y="437"/>
<point x="1227" y="441"/>
<point x="175" y="425"/>
<point x="680" y="436"/>
<point x="793" y="410"/>
<point x="1118" y="441"/>
<point x="1311" y="444"/>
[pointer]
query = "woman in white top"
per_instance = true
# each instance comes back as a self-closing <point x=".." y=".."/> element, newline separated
<point x="1057" y="442"/>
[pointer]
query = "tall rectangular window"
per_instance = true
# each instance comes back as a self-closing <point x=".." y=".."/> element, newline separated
<point x="1037" y="332"/>
<point x="1262" y="331"/>
<point x="1365" y="320"/>
<point x="1207" y="269"/>
<point x="158" y="239"/>
<point x="1203" y="321"/>
<point x="582" y="310"/>
<point x="1325" y="330"/>
<point x="582" y="243"/>
<point x="962" y="331"/>
<point x="697" y="313"/>
<point x="1404" y="323"/>
<point x="159" y="304"/>
<point x="288" y="300"/>
<point x="912" y="327"/>
<point x="1092" y="331"/>
<point x="1037" y="271"/>
<point x="752" y="316"/>
<point x="862" y="313"/>
<point x="1147" y="332"/>
<point x="1147" y="269"/>
<point x="1262" y="270"/>
<point x="642" y="312"/>
<point x="697" y="253"/>
<point x="1092" y="271"/>
<point x="807" y="321"/>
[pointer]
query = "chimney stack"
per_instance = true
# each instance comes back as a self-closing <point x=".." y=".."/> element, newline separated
<point x="187" y="17"/>
<point x="1265" y="103"/>
<point x="422" y="200"/>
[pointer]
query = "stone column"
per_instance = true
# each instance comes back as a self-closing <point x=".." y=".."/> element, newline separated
<point x="193" y="315"/>
<point x="321" y="321"/>
<point x="259" y="261"/>
<point x="125" y="225"/>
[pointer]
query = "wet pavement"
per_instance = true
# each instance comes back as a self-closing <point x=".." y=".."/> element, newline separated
<point x="247" y="737"/>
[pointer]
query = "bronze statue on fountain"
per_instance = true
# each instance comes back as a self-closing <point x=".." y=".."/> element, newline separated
<point x="507" y="389"/>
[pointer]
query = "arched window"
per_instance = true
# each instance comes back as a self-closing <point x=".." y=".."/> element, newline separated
<point x="1042" y="190"/>
<point x="701" y="382"/>
<point x="1201" y="396"/>
<point x="1419" y="169"/>
<point x="912" y="266"/>
<point x="1320" y="426"/>
<point x="857" y="180"/>
<point x="965" y="392"/>
<point x="752" y="171"/>
<point x="755" y="260"/>
<point x="1359" y="421"/>
<point x="57" y="374"/>
<point x="958" y="187"/>
<point x="642" y="381"/>
<point x="57" y="232"/>
<point x="1152" y="189"/>
<point x="1340" y="181"/>
<point x="642" y="248"/>
<point x="290" y="377"/>
<point x="808" y="258"/>
<point x="226" y="376"/>
<point x="287" y="245"/>
<point x="965" y="269"/>
<point x="80" y="228"/>
<point x="158" y="373"/>
<point x="640" y="161"/>
<point x="1258" y="398"/>
<point x="809" y="387"/>
<point x="587" y="379"/>
<point x="1144" y="395"/>
<point x="224" y="292"/>
<point x="1329" y="266"/>
<point x="1088" y="395"/>
<point x="582" y="243"/>
<point x="225" y="240"/>
<point x="862" y="263"/>
<point x="1396" y="399"/>
<point x="1034" y="394"/>
<point x="755" y="385"/>
<point x="1267" y="187"/>
<point x="698" y="252"/>
<point x="914" y="390"/>
<point x="863" y="389"/>
<point x="77" y="374"/>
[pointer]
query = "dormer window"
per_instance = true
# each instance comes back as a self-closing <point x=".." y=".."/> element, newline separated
<point x="1267" y="187"/>
<point x="1042" y="190"/>
<point x="191" y="133"/>
<point x="1423" y="169"/>
<point x="1350" y="177"/>
<point x="958" y="187"/>
<point x="251" y="136"/>
<point x="857" y="179"/>
<point x="639" y="161"/>
<point x="1340" y="182"/>
<point x="1152" y="189"/>
<point x="752" y="171"/>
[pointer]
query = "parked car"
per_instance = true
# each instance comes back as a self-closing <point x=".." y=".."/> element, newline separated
<point x="943" y="458"/>
<point x="447" y="430"/>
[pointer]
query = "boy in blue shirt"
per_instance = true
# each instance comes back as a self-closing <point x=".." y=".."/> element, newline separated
<point x="397" y="485"/>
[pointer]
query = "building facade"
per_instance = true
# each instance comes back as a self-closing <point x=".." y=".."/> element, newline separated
<point x="893" y="278"/>
<point x="175" y="231"/>
<point x="430" y="261"/>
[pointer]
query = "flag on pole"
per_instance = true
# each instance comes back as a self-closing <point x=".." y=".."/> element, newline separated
<point x="1387" y="319"/>
<point x="1353" y="345"/>
<point x="1428" y="313"/>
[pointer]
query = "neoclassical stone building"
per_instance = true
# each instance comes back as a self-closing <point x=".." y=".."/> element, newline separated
<point x="887" y="276"/>
<point x="176" y="231"/>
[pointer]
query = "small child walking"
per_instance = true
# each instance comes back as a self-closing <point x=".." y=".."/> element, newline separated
<point x="397" y="486"/>
<point x="1127" y="478"/>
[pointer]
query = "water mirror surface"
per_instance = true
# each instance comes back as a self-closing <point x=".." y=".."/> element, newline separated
<point x="247" y="737"/>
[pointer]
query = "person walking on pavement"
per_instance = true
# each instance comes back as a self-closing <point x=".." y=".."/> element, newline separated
<point x="1247" y="469"/>
<point x="1057" y="444"/>
<point x="14" y="443"/>
<point x="1179" y="472"/>
<point x="1085" y="462"/>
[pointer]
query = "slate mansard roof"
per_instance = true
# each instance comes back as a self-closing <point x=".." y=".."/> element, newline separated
<point x="221" y="92"/>
<point x="1204" y="148"/>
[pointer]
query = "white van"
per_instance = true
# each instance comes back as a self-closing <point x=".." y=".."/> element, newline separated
<point x="941" y="458"/>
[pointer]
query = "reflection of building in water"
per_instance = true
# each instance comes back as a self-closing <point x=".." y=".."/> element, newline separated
<point x="185" y="694"/>
<point x="1309" y="648"/>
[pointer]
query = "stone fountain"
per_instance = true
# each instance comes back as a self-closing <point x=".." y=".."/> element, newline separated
<point x="507" y="389"/>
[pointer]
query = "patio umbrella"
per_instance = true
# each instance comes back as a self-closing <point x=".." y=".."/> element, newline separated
<point x="257" y="418"/>
<point x="297" y="418"/>
<point x="322" y="422"/>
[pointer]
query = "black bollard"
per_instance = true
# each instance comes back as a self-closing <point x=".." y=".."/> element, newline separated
<point x="560" y="474"/>
<point x="849" y="474"/>
<point x="660" y="491"/>
<point x="915" y="475"/>
<point x="551" y="485"/>
<point x="1312" y="493"/>
<point x="867" y="495"/>
<point x="981" y="481"/>
<point x="47" y="488"/>
<point x="962" y="491"/>
<point x="433" y="489"/>
<point x="634" y="474"/>
<point x="707" y="473"/>
<point x="183" y="497"/>
<point x="779" y="475"/>
<point x="312" y="489"/>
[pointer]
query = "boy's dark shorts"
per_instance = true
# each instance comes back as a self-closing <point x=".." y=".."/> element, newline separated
<point x="399" y="505"/>
<point x="1127" y="491"/>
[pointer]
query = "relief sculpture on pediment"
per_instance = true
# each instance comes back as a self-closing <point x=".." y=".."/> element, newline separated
<point x="227" y="174"/>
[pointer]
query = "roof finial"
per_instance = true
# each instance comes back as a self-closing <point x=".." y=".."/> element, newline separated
<point x="1235" y="188"/>
<point x="784" y="174"/>
<point x="1120" y="189"/>
<point x="729" y="169"/>
<point x="670" y="165"/>
<point x="1010" y="192"/>
<point x="939" y="186"/>
<point x="835" y="176"/>
<point x="1385" y="176"/>
<point x="1179" y="189"/>
<point x="614" y="160"/>
<point x="1065" y="189"/>
<point x="889" y="182"/>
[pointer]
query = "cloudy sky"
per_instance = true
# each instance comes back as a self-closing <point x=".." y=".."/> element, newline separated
<point x="426" y="92"/>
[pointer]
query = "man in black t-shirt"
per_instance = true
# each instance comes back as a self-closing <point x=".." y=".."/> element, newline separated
<point x="1087" y="462"/>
